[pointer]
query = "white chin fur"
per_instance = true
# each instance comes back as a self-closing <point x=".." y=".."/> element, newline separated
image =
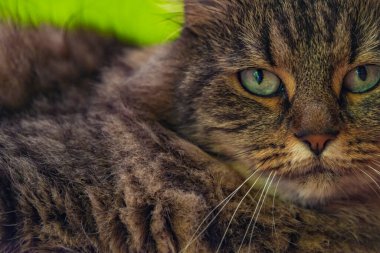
<point x="322" y="189"/>
<point x="309" y="193"/>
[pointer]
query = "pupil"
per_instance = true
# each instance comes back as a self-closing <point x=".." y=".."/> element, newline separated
<point x="362" y="73"/>
<point x="259" y="76"/>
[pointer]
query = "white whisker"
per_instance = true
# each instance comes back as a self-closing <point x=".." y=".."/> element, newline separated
<point x="370" y="177"/>
<point x="254" y="212"/>
<point x="375" y="163"/>
<point x="274" y="197"/>
<point x="223" y="203"/>
<point x="234" y="213"/>
<point x="375" y="170"/>
<point x="261" y="206"/>
<point x="359" y="175"/>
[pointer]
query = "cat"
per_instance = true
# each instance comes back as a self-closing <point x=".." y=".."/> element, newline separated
<point x="255" y="131"/>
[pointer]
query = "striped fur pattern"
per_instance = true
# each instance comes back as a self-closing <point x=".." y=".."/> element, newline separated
<point x="139" y="154"/>
<point x="311" y="46"/>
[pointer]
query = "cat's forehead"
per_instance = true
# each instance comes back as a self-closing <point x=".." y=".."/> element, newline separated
<point x="289" y="30"/>
<point x="302" y="15"/>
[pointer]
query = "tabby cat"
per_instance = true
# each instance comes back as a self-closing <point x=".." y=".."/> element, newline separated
<point x="258" y="130"/>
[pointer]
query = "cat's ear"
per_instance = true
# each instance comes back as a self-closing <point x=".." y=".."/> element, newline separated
<point x="201" y="12"/>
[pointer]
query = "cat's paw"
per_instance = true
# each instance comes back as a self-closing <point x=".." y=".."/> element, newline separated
<point x="167" y="224"/>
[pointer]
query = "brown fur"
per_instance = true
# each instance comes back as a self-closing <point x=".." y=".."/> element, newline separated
<point x="311" y="46"/>
<point x="134" y="161"/>
<point x="35" y="60"/>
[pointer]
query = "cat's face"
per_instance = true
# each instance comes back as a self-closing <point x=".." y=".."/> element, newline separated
<point x="287" y="88"/>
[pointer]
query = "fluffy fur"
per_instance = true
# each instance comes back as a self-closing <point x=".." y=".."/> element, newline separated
<point x="133" y="156"/>
<point x="311" y="46"/>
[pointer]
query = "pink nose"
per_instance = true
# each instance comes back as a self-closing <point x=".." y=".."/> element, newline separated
<point x="318" y="142"/>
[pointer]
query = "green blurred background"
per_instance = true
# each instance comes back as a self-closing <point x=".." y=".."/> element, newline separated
<point x="141" y="22"/>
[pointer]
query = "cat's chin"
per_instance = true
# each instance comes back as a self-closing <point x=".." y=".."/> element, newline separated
<point x="316" y="186"/>
<point x="322" y="189"/>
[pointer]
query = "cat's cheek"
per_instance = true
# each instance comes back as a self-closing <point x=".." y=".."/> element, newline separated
<point x="298" y="152"/>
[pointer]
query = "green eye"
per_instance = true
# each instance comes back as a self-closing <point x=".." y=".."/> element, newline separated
<point x="260" y="82"/>
<point x="362" y="79"/>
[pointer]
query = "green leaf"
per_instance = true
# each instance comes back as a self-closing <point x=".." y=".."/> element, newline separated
<point x="141" y="22"/>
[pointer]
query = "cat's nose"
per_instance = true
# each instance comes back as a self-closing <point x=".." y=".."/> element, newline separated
<point x="318" y="142"/>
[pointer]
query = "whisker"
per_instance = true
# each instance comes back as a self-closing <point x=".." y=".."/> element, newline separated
<point x="375" y="170"/>
<point x="234" y="213"/>
<point x="254" y="212"/>
<point x="370" y="177"/>
<point x="376" y="163"/>
<point x="274" y="196"/>
<point x="258" y="213"/>
<point x="359" y="175"/>
<point x="224" y="202"/>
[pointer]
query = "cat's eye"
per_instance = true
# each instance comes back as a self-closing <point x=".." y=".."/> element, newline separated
<point x="362" y="79"/>
<point x="260" y="82"/>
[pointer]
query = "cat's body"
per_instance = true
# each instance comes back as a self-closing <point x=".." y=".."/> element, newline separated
<point x="107" y="166"/>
